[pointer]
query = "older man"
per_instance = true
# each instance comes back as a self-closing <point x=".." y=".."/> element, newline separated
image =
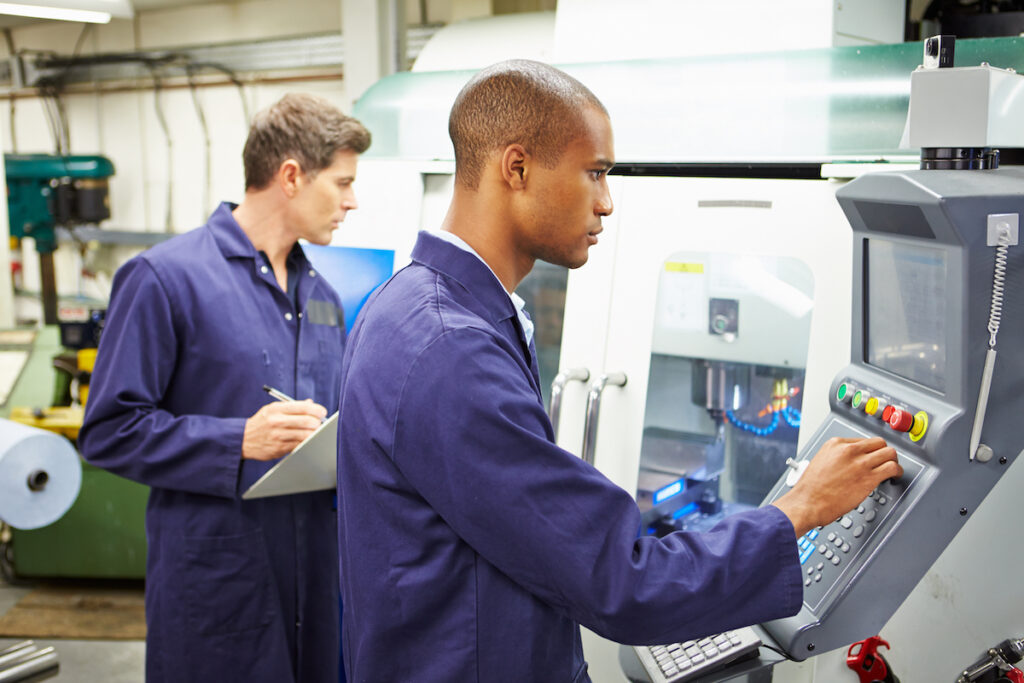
<point x="235" y="590"/>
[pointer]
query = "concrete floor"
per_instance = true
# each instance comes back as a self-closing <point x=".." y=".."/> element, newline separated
<point x="84" y="661"/>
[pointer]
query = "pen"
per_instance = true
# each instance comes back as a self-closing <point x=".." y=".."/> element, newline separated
<point x="277" y="393"/>
<point x="281" y="396"/>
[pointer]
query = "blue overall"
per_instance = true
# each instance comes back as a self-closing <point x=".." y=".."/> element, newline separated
<point x="235" y="590"/>
<point x="472" y="547"/>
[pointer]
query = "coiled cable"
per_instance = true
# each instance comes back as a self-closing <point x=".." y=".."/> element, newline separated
<point x="998" y="283"/>
<point x="994" y="317"/>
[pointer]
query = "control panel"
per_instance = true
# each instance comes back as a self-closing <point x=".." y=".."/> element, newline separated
<point x="922" y="353"/>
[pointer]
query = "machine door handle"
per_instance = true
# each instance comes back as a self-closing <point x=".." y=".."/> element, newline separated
<point x="617" y="379"/>
<point x="557" y="386"/>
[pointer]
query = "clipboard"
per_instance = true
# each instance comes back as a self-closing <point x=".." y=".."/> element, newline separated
<point x="311" y="466"/>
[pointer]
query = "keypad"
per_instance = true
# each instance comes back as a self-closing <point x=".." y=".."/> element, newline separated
<point x="695" y="658"/>
<point x="838" y="542"/>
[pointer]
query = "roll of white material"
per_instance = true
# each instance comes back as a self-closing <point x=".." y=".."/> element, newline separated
<point x="40" y="475"/>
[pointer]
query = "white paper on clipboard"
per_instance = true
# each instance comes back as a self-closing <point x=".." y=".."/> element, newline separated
<point x="311" y="466"/>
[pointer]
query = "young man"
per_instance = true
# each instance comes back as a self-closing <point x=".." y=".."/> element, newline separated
<point x="472" y="547"/>
<point x="235" y="590"/>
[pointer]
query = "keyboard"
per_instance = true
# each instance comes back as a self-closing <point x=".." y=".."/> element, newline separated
<point x="696" y="658"/>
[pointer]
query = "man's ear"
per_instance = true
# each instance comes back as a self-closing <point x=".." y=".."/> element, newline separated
<point x="514" y="163"/>
<point x="289" y="177"/>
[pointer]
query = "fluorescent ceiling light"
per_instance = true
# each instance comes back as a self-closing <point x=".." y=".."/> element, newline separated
<point x="91" y="11"/>
<point x="55" y="13"/>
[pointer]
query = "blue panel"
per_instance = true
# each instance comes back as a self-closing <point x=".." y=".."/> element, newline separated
<point x="354" y="273"/>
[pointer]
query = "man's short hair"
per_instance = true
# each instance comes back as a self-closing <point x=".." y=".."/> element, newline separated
<point x="517" y="101"/>
<point x="303" y="127"/>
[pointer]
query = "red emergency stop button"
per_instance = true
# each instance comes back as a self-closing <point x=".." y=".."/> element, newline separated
<point x="901" y="420"/>
<point x="887" y="412"/>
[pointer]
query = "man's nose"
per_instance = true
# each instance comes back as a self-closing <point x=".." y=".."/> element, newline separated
<point x="603" y="206"/>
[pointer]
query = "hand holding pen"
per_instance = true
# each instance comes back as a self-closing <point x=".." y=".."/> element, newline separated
<point x="277" y="428"/>
<point x="277" y="393"/>
<point x="281" y="396"/>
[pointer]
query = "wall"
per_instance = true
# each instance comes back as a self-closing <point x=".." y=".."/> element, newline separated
<point x="125" y="125"/>
<point x="162" y="183"/>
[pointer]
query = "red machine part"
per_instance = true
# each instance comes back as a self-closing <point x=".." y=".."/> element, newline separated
<point x="901" y="420"/>
<point x="863" y="658"/>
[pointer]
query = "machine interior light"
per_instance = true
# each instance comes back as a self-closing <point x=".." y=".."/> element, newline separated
<point x="685" y="510"/>
<point x="669" y="491"/>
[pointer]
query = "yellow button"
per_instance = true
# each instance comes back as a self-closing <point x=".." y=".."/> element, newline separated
<point x="919" y="427"/>
<point x="872" y="406"/>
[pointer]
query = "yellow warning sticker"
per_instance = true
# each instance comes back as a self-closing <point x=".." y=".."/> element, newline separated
<point x="676" y="267"/>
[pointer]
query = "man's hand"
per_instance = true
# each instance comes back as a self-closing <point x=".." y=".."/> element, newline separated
<point x="278" y="427"/>
<point x="838" y="478"/>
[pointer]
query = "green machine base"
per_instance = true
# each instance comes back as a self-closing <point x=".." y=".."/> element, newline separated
<point x="103" y="535"/>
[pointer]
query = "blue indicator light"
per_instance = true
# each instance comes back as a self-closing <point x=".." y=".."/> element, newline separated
<point x="685" y="510"/>
<point x="669" y="491"/>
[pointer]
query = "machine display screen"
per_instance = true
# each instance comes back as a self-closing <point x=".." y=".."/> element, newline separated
<point x="906" y="311"/>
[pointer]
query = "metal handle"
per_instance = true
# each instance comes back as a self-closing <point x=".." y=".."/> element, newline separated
<point x="557" y="386"/>
<point x="617" y="379"/>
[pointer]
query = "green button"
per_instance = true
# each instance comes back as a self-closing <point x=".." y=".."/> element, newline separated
<point x="841" y="394"/>
<point x="857" y="398"/>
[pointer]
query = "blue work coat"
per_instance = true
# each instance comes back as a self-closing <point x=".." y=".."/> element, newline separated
<point x="235" y="590"/>
<point x="471" y="545"/>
